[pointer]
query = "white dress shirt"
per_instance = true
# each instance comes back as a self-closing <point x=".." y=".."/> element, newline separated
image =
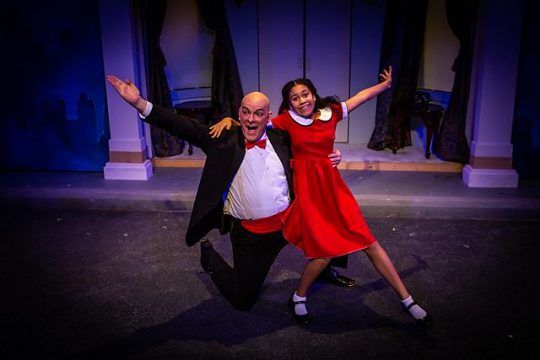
<point x="259" y="188"/>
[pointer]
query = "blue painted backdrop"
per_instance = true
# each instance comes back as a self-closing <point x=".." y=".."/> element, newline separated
<point x="52" y="59"/>
<point x="54" y="112"/>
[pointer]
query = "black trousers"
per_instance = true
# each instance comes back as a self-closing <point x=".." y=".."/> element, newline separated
<point x="253" y="255"/>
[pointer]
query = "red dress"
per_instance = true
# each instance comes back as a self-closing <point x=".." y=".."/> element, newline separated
<point x="324" y="220"/>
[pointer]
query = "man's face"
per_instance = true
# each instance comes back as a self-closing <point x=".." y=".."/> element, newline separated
<point x="254" y="114"/>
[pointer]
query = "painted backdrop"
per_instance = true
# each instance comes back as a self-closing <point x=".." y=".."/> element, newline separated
<point x="53" y="68"/>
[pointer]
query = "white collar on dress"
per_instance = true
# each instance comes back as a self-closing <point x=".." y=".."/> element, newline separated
<point x="325" y="115"/>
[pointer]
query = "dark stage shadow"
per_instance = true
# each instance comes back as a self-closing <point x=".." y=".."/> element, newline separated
<point x="214" y="320"/>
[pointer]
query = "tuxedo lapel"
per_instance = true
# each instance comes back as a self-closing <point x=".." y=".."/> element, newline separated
<point x="280" y="146"/>
<point x="240" y="152"/>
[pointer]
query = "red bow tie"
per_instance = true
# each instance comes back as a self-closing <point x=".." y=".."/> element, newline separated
<point x="261" y="143"/>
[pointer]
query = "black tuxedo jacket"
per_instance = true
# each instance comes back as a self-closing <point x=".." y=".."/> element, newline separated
<point x="223" y="158"/>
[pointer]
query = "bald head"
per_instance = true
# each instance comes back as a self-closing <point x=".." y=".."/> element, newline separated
<point x="256" y="97"/>
<point x="254" y="113"/>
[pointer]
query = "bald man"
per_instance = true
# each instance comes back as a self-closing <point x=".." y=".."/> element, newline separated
<point x="245" y="186"/>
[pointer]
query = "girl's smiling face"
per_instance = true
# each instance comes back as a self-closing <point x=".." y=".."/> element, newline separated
<point x="302" y="101"/>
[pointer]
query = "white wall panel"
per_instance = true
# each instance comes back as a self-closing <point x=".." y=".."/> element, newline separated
<point x="367" y="32"/>
<point x="328" y="30"/>
<point x="280" y="46"/>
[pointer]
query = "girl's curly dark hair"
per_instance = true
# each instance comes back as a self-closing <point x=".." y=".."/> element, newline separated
<point x="320" y="102"/>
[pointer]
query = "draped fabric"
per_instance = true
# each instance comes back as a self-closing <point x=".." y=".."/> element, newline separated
<point x="402" y="45"/>
<point x="227" y="90"/>
<point x="152" y="13"/>
<point x="452" y="144"/>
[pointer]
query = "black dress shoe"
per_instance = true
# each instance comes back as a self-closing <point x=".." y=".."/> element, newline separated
<point x="330" y="275"/>
<point x="302" y="319"/>
<point x="426" y="321"/>
<point x="206" y="256"/>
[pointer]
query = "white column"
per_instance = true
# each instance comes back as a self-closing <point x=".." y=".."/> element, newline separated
<point x="495" y="70"/>
<point x="127" y="146"/>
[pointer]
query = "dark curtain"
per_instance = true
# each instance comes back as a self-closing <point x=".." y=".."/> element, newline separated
<point x="226" y="85"/>
<point x="153" y="15"/>
<point x="403" y="40"/>
<point x="452" y="145"/>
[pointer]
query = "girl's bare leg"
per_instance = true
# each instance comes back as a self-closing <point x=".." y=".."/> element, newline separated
<point x="385" y="267"/>
<point x="311" y="271"/>
<point x="297" y="302"/>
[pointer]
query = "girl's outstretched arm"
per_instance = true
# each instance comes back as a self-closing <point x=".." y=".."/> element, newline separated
<point x="370" y="92"/>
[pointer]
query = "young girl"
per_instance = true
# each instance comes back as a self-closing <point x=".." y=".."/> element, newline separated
<point x="324" y="220"/>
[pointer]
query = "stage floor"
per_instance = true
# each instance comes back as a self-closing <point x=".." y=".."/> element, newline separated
<point x="355" y="157"/>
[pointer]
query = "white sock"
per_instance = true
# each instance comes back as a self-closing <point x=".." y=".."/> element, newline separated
<point x="299" y="309"/>
<point x="416" y="311"/>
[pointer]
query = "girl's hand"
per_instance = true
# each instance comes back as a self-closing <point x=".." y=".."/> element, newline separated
<point x="225" y="123"/>
<point x="386" y="76"/>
